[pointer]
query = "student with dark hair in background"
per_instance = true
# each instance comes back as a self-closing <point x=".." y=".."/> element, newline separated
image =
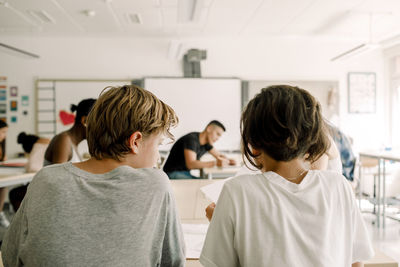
<point x="3" y="190"/>
<point x="34" y="148"/>
<point x="186" y="152"/>
<point x="63" y="146"/>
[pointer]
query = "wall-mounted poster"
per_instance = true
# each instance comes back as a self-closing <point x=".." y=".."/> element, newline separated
<point x="361" y="92"/>
<point x="3" y="108"/>
<point x="13" y="91"/>
<point x="25" y="100"/>
<point x="13" y="105"/>
<point x="13" y="119"/>
<point x="3" y="95"/>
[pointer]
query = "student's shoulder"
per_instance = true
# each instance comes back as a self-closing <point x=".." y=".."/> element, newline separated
<point x="50" y="174"/>
<point x="332" y="179"/>
<point x="155" y="177"/>
<point x="243" y="181"/>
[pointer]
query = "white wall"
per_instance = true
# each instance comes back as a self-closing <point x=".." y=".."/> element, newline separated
<point x="249" y="59"/>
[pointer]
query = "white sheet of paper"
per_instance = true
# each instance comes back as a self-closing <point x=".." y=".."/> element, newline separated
<point x="213" y="190"/>
<point x="194" y="235"/>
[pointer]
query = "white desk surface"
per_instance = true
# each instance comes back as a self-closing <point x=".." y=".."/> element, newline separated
<point x="382" y="154"/>
<point x="14" y="175"/>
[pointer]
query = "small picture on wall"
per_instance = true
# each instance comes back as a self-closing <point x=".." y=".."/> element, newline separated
<point x="25" y="100"/>
<point x="14" y="119"/>
<point x="3" y="79"/>
<point x="13" y="91"/>
<point x="13" y="105"/>
<point x="3" y="95"/>
<point x="3" y="108"/>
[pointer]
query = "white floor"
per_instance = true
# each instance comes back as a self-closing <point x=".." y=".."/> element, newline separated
<point x="385" y="239"/>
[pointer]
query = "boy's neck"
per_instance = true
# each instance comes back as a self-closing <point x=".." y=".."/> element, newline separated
<point x="203" y="138"/>
<point x="96" y="166"/>
<point x="294" y="171"/>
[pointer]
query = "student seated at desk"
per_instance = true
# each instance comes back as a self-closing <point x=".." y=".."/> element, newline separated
<point x="3" y="190"/>
<point x="186" y="152"/>
<point x="64" y="146"/>
<point x="34" y="148"/>
<point x="288" y="215"/>
<point x="114" y="209"/>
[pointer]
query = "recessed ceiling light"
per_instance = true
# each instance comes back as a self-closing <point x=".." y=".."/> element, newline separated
<point x="89" y="12"/>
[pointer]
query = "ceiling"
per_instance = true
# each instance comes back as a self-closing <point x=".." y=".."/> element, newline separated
<point x="336" y="19"/>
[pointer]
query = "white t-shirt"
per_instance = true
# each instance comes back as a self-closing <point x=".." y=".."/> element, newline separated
<point x="265" y="220"/>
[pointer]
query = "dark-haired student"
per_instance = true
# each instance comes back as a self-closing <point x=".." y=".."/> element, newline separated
<point x="34" y="147"/>
<point x="185" y="154"/>
<point x="64" y="146"/>
<point x="289" y="214"/>
<point x="114" y="209"/>
<point x="3" y="190"/>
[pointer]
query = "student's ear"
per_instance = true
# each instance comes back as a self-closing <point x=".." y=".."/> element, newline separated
<point x="134" y="141"/>
<point x="83" y="120"/>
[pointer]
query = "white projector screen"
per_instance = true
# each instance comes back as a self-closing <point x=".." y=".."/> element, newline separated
<point x="198" y="101"/>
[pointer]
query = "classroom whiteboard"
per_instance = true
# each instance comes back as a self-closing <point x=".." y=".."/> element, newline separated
<point x="68" y="93"/>
<point x="198" y="101"/>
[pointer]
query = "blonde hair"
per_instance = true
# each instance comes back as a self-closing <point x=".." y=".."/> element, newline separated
<point x="121" y="111"/>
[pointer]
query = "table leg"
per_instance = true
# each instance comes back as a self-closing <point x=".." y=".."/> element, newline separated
<point x="359" y="185"/>
<point x="378" y="200"/>
<point x="384" y="194"/>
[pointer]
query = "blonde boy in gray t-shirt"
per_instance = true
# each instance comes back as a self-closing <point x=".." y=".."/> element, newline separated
<point x="111" y="210"/>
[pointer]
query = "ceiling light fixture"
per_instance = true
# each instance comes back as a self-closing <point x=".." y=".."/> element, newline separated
<point x="89" y="13"/>
<point x="42" y="16"/>
<point x="19" y="50"/>
<point x="189" y="10"/>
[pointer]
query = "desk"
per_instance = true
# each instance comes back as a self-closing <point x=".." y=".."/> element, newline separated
<point x="382" y="157"/>
<point x="220" y="172"/>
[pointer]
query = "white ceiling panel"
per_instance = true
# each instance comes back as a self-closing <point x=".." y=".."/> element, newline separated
<point x="9" y="19"/>
<point x="348" y="19"/>
<point x="61" y="21"/>
<point x="229" y="17"/>
<point x="275" y="17"/>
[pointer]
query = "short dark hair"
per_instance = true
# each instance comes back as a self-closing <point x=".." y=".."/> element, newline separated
<point x="216" y="123"/>
<point x="82" y="109"/>
<point x="27" y="141"/>
<point x="285" y="122"/>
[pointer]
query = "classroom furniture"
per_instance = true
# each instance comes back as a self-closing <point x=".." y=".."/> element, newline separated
<point x="219" y="172"/>
<point x="15" y="179"/>
<point x="191" y="202"/>
<point x="381" y="156"/>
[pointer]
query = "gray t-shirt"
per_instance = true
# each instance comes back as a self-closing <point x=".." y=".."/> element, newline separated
<point x="69" y="217"/>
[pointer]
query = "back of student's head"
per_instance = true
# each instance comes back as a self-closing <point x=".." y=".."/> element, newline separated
<point x="27" y="141"/>
<point x="121" y="111"/>
<point x="216" y="123"/>
<point x="284" y="122"/>
<point x="82" y="109"/>
<point x="3" y="124"/>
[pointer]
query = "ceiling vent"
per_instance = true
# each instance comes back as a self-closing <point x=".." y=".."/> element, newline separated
<point x="134" y="18"/>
